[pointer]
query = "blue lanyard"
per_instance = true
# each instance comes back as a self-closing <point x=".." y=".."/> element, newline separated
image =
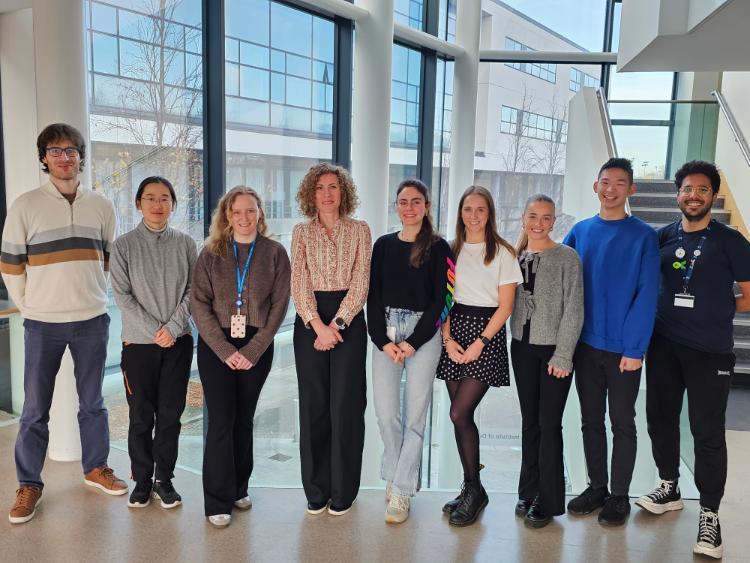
<point x="241" y="279"/>
<point x="688" y="273"/>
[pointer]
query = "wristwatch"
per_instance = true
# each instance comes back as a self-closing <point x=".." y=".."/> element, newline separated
<point x="484" y="339"/>
<point x="339" y="322"/>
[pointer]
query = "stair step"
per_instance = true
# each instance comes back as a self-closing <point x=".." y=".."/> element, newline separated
<point x="662" y="215"/>
<point x="665" y="187"/>
<point x="741" y="375"/>
<point x="665" y="201"/>
<point x="742" y="343"/>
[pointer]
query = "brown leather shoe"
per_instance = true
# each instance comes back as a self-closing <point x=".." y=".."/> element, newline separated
<point x="28" y="497"/>
<point x="104" y="478"/>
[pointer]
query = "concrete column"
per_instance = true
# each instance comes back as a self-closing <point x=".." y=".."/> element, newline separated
<point x="372" y="111"/>
<point x="60" y="62"/>
<point x="463" y="121"/>
<point x="370" y="158"/>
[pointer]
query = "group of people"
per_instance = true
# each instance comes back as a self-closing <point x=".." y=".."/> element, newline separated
<point x="613" y="292"/>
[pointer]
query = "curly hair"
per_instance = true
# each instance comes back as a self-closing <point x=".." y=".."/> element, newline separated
<point x="708" y="169"/>
<point x="58" y="132"/>
<point x="306" y="193"/>
<point x="220" y="231"/>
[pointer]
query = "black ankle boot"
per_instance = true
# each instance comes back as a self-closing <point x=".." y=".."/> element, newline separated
<point x="451" y="505"/>
<point x="471" y="505"/>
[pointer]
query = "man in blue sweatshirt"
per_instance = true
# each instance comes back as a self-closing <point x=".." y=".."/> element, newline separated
<point x="620" y="257"/>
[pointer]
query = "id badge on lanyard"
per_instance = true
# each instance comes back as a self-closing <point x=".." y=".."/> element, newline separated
<point x="238" y="322"/>
<point x="685" y="299"/>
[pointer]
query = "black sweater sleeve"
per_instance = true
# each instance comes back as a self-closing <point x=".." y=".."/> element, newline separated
<point x="375" y="307"/>
<point x="429" y="322"/>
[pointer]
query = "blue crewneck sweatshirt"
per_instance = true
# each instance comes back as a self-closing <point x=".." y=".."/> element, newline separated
<point x="621" y="282"/>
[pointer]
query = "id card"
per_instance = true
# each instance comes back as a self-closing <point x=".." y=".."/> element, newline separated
<point x="684" y="300"/>
<point x="237" y="326"/>
<point x="390" y="332"/>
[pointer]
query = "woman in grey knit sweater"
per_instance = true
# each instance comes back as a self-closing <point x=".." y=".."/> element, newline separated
<point x="546" y="322"/>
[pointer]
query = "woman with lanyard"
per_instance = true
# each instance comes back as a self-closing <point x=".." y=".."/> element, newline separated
<point x="239" y="299"/>
<point x="151" y="270"/>
<point x="412" y="275"/>
<point x="546" y="322"/>
<point x="330" y="278"/>
<point x="475" y="355"/>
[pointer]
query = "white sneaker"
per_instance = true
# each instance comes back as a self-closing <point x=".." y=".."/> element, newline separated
<point x="220" y="520"/>
<point x="388" y="491"/>
<point x="398" y="509"/>
<point x="243" y="503"/>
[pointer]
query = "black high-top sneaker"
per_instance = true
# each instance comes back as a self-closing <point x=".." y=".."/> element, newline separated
<point x="663" y="498"/>
<point x="709" y="534"/>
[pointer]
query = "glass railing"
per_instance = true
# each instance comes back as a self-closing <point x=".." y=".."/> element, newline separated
<point x="659" y="136"/>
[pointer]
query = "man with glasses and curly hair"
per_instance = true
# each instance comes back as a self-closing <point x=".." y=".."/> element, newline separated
<point x="691" y="348"/>
<point x="55" y="264"/>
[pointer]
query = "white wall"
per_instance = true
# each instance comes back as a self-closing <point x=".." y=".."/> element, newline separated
<point x="735" y="86"/>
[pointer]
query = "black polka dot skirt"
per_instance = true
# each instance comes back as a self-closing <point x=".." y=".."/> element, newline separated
<point x="467" y="323"/>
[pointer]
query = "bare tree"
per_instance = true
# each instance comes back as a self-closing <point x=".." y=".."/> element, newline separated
<point x="551" y="153"/>
<point x="158" y="110"/>
<point x="519" y="156"/>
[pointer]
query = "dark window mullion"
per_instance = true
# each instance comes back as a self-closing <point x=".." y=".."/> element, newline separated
<point x="343" y="59"/>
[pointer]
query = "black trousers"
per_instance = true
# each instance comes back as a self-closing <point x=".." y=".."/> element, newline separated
<point x="599" y="382"/>
<point x="156" y="382"/>
<point x="672" y="368"/>
<point x="231" y="397"/>
<point x="542" y="397"/>
<point x="332" y="401"/>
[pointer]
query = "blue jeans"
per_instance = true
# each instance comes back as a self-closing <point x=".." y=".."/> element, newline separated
<point x="45" y="344"/>
<point x="402" y="426"/>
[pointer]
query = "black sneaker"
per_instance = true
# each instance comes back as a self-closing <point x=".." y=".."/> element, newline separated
<point x="588" y="501"/>
<point x="536" y="517"/>
<point x="164" y="491"/>
<point x="141" y="495"/>
<point x="709" y="534"/>
<point x="662" y="499"/>
<point x="616" y="509"/>
<point x="522" y="507"/>
<point x="316" y="507"/>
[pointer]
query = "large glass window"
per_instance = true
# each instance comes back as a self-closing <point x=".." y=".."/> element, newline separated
<point x="145" y="100"/>
<point x="405" y="112"/>
<point x="409" y="13"/>
<point x="545" y="71"/>
<point x="279" y="123"/>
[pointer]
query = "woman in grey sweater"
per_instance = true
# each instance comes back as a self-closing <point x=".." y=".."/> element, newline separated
<point x="239" y="298"/>
<point x="151" y="268"/>
<point x="546" y="322"/>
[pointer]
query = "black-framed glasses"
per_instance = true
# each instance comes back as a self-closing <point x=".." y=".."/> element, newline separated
<point x="70" y="152"/>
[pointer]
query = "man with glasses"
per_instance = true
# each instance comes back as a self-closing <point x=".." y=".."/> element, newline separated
<point x="691" y="348"/>
<point x="55" y="263"/>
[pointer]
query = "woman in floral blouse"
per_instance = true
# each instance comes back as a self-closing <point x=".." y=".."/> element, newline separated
<point x="330" y="279"/>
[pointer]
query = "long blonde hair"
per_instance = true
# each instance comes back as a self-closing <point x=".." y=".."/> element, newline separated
<point x="220" y="231"/>
<point x="523" y="238"/>
<point x="492" y="238"/>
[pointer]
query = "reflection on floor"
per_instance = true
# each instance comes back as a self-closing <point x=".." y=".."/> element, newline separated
<point x="79" y="524"/>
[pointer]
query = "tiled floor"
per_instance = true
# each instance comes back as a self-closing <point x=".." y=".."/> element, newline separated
<point x="79" y="524"/>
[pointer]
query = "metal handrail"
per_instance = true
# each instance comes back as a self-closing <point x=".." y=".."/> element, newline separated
<point x="607" y="122"/>
<point x="712" y="102"/>
<point x="733" y="125"/>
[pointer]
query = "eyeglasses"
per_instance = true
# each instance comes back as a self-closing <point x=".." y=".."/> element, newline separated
<point x="151" y="200"/>
<point x="70" y="152"/>
<point x="700" y="190"/>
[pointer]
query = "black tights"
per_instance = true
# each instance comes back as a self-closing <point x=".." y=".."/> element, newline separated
<point x="465" y="395"/>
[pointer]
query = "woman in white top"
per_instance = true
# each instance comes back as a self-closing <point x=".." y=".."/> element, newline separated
<point x="475" y="356"/>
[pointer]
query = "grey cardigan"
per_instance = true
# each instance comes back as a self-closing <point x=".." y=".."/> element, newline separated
<point x="555" y="309"/>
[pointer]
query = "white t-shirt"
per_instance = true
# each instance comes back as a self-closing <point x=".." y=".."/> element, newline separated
<point x="477" y="282"/>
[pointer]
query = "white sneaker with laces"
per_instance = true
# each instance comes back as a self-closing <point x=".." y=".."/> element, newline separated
<point x="388" y="491"/>
<point x="398" y="509"/>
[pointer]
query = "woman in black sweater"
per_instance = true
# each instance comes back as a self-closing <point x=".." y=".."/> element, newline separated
<point x="411" y="291"/>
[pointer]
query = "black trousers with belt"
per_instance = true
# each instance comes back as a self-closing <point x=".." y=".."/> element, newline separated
<point x="332" y="401"/>
<point x="231" y="397"/>
<point x="672" y="368"/>
<point x="542" y="397"/>
<point x="156" y="382"/>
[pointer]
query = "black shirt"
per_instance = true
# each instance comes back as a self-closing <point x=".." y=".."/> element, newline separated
<point x="724" y="259"/>
<point x="394" y="282"/>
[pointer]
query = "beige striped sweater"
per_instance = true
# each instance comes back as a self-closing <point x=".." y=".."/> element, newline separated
<point x="55" y="255"/>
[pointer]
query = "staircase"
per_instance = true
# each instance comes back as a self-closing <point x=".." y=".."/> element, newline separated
<point x="655" y="202"/>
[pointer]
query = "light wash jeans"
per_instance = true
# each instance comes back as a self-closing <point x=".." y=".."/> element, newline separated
<point x="402" y="426"/>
